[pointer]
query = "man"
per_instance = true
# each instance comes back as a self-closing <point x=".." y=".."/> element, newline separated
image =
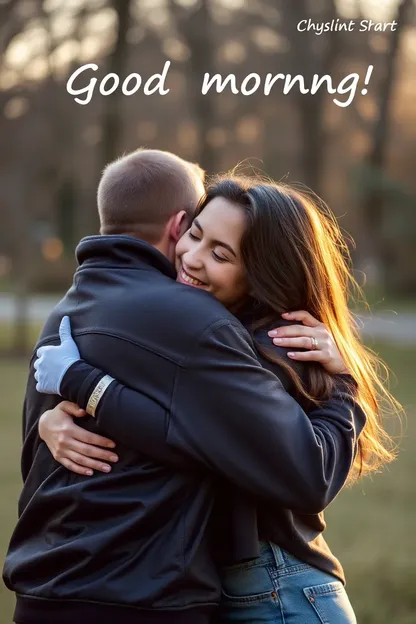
<point x="133" y="545"/>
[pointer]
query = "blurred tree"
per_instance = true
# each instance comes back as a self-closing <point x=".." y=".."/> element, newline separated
<point x="112" y="119"/>
<point x="195" y="26"/>
<point x="373" y="205"/>
<point x="17" y="192"/>
<point x="11" y="23"/>
<point x="32" y="166"/>
<point x="312" y="55"/>
<point x="116" y="63"/>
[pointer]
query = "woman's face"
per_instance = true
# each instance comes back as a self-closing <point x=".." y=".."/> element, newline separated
<point x="208" y="254"/>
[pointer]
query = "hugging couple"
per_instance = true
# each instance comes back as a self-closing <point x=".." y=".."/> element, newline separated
<point x="216" y="399"/>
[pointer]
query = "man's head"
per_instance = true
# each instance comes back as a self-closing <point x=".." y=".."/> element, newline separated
<point x="149" y="194"/>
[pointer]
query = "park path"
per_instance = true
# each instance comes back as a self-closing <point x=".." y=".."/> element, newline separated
<point x="389" y="326"/>
<point x="395" y="327"/>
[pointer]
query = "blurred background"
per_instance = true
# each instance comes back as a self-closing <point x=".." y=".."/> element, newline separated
<point x="360" y="159"/>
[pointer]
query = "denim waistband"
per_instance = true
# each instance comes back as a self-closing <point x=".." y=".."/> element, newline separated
<point x="272" y="554"/>
<point x="279" y="562"/>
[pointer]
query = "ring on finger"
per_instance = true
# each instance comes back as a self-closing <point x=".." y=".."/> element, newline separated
<point x="314" y="345"/>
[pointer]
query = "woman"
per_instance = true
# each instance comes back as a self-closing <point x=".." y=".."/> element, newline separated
<point x="263" y="249"/>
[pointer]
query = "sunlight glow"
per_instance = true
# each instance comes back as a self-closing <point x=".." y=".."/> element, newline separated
<point x="101" y="22"/>
<point x="234" y="5"/>
<point x="91" y="47"/>
<point x="16" y="107"/>
<point x="37" y="69"/>
<point x="269" y="41"/>
<point x="186" y="3"/>
<point x="176" y="50"/>
<point x="8" y="79"/>
<point x="65" y="54"/>
<point x="233" y="52"/>
<point x="380" y="10"/>
<point x="18" y="52"/>
<point x="25" y="56"/>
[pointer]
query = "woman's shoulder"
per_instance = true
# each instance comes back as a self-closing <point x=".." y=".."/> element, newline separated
<point x="277" y="367"/>
<point x="262" y="335"/>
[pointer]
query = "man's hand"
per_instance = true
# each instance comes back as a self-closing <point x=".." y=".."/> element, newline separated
<point x="314" y="337"/>
<point x="71" y="445"/>
<point x="54" y="361"/>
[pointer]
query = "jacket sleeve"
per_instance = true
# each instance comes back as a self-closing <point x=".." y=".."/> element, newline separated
<point x="234" y="417"/>
<point x="35" y="404"/>
<point x="239" y="421"/>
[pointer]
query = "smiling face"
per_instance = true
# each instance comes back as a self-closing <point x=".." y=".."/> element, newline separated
<point x="208" y="254"/>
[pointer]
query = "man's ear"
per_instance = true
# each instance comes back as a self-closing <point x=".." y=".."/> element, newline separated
<point x="179" y="224"/>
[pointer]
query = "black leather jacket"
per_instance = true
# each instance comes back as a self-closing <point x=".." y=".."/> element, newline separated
<point x="137" y="540"/>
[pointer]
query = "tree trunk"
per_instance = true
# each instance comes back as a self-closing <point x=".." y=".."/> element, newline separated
<point x="112" y="119"/>
<point x="307" y="59"/>
<point x="373" y="205"/>
<point x="195" y="27"/>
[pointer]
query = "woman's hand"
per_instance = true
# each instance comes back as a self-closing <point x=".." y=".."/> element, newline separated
<point x="72" y="446"/>
<point x="314" y="337"/>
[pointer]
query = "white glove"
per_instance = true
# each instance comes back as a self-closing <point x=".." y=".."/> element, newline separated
<point x="53" y="361"/>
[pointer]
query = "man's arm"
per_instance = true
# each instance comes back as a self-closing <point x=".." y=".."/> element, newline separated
<point x="233" y="417"/>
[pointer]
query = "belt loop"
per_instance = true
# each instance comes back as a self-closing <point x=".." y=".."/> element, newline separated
<point x="277" y="554"/>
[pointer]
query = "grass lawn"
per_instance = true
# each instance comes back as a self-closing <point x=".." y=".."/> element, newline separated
<point x="371" y="526"/>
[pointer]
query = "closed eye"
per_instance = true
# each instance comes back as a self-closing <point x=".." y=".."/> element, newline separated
<point x="192" y="236"/>
<point x="219" y="258"/>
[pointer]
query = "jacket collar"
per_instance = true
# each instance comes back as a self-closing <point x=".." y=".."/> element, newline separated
<point x="123" y="252"/>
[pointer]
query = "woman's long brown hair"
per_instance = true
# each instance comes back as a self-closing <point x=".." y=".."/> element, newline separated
<point x="296" y="258"/>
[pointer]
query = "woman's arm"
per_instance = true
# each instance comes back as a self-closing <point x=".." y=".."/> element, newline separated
<point x="76" y="448"/>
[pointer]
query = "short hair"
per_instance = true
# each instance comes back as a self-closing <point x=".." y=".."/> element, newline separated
<point x="140" y="192"/>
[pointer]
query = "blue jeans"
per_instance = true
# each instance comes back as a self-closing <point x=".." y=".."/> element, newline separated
<point x="276" y="588"/>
